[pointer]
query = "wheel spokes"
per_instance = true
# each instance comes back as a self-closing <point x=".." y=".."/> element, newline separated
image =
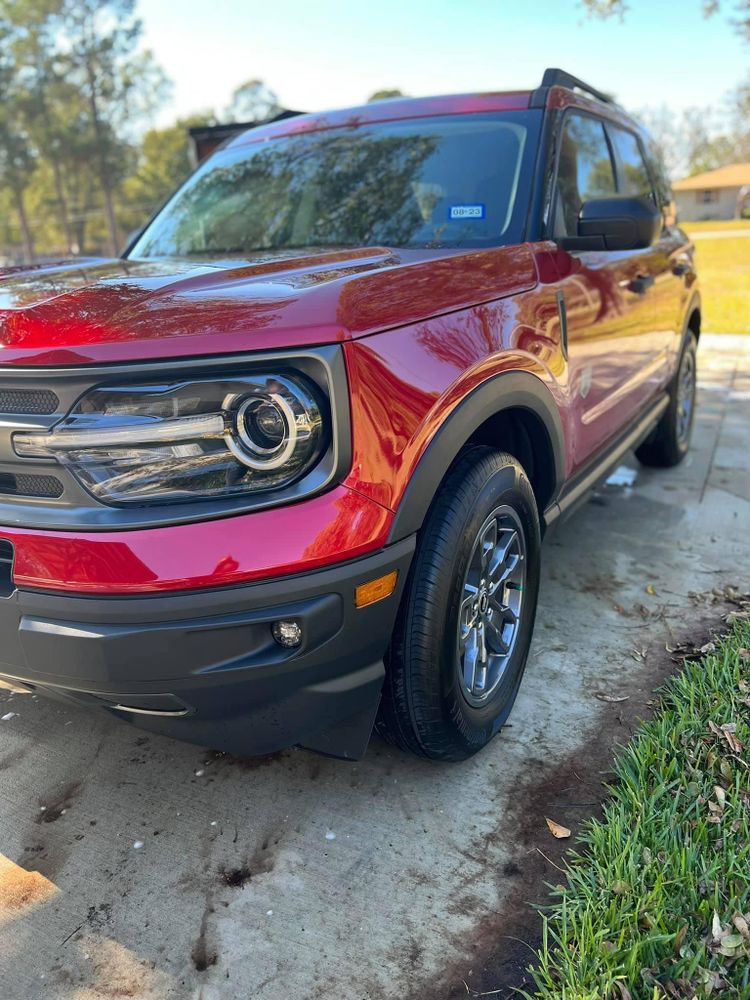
<point x="488" y="545"/>
<point x="471" y="657"/>
<point x="502" y="620"/>
<point x="490" y="606"/>
<point x="468" y="612"/>
<point x="505" y="561"/>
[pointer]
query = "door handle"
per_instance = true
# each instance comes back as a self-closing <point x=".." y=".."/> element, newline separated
<point x="641" y="283"/>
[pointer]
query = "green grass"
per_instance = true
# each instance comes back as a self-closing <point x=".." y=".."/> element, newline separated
<point x="655" y="896"/>
<point x="715" y="226"/>
<point x="723" y="267"/>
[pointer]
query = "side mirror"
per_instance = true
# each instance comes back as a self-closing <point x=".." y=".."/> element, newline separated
<point x="621" y="222"/>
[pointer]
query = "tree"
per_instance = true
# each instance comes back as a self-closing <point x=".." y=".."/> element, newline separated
<point x="119" y="84"/>
<point x="701" y="139"/>
<point x="163" y="162"/>
<point x="252" y="101"/>
<point x="384" y="95"/>
<point x="740" y="17"/>
<point x="33" y="24"/>
<point x="17" y="158"/>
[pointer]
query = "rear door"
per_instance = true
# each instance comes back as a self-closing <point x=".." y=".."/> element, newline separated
<point x="617" y="356"/>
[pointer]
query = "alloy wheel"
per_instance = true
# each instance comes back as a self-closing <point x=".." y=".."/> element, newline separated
<point x="490" y="612"/>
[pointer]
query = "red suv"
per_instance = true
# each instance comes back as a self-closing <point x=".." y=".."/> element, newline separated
<point x="281" y="472"/>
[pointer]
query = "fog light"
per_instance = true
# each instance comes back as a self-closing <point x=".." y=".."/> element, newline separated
<point x="287" y="634"/>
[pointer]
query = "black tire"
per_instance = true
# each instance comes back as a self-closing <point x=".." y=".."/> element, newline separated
<point x="425" y="707"/>
<point x="670" y="441"/>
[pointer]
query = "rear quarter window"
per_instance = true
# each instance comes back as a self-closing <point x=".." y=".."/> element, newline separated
<point x="632" y="173"/>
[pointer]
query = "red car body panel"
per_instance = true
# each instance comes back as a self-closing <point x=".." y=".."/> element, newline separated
<point x="335" y="526"/>
<point x="107" y="311"/>
<point x="405" y="383"/>
<point x="388" y="111"/>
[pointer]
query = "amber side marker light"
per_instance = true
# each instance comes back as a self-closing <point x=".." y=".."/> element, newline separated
<point x="375" y="590"/>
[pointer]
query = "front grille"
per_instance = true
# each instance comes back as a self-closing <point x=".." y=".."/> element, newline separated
<point x="28" y="401"/>
<point x="6" y="567"/>
<point x="26" y="485"/>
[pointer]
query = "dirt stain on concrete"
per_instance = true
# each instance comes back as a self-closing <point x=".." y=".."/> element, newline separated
<point x="218" y="757"/>
<point x="203" y="954"/>
<point x="11" y="758"/>
<point x="57" y="803"/>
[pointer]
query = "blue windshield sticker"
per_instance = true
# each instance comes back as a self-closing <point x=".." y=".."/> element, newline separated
<point x="475" y="211"/>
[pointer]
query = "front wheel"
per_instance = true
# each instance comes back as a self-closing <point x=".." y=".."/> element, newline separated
<point x="464" y="627"/>
<point x="670" y="441"/>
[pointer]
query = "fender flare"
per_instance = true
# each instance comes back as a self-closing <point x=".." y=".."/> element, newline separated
<point x="507" y="390"/>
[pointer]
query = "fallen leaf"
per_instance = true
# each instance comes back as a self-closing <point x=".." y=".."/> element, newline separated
<point x="726" y="732"/>
<point x="744" y="655"/>
<point x="650" y="589"/>
<point x="742" y="925"/>
<point x="732" y="940"/>
<point x="679" y="938"/>
<point x="611" y="697"/>
<point x="561" y="832"/>
<point x="729" y="729"/>
<point x="622" y="989"/>
<point x="720" y="794"/>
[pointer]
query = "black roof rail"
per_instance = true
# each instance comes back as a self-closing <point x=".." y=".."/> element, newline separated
<point x="559" y="78"/>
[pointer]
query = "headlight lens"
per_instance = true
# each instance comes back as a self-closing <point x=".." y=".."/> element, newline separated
<point x="186" y="441"/>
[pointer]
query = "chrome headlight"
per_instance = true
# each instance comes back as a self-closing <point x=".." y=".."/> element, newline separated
<point x="187" y="440"/>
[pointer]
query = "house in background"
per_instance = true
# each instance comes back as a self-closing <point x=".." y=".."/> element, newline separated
<point x="717" y="194"/>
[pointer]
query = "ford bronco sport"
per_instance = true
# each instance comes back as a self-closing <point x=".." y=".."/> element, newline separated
<point x="280" y="473"/>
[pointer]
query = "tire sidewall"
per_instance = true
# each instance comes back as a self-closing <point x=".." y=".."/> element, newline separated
<point x="475" y="726"/>
<point x="682" y="447"/>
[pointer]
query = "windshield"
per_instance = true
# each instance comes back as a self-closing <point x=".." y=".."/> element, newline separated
<point x="430" y="182"/>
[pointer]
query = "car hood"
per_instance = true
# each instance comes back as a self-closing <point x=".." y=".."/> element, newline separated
<point x="89" y="311"/>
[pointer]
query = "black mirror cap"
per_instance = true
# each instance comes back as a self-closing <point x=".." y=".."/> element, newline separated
<point x="621" y="222"/>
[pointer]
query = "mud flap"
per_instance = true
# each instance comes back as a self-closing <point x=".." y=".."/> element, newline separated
<point x="349" y="738"/>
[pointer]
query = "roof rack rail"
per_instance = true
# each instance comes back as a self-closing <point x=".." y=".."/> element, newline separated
<point x="559" y="78"/>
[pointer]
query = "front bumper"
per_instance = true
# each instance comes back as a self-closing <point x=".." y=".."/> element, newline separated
<point x="203" y="666"/>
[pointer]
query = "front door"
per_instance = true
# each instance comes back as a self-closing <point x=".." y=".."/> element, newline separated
<point x="618" y="350"/>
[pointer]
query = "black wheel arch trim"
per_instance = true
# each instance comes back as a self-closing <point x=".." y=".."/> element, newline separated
<point x="694" y="305"/>
<point x="501" y="392"/>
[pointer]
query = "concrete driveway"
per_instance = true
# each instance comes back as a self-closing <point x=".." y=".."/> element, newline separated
<point x="132" y="866"/>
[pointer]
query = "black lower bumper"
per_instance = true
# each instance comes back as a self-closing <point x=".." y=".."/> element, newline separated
<point x="203" y="666"/>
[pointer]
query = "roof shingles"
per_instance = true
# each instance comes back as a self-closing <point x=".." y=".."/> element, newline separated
<point x="733" y="175"/>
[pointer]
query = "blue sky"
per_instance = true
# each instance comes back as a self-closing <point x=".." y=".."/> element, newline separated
<point x="333" y="53"/>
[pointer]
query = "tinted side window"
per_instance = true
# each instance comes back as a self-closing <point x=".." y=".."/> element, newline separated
<point x="584" y="170"/>
<point x="664" y="196"/>
<point x="632" y="173"/>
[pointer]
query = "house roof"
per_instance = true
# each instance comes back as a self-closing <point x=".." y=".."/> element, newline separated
<point x="731" y="176"/>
